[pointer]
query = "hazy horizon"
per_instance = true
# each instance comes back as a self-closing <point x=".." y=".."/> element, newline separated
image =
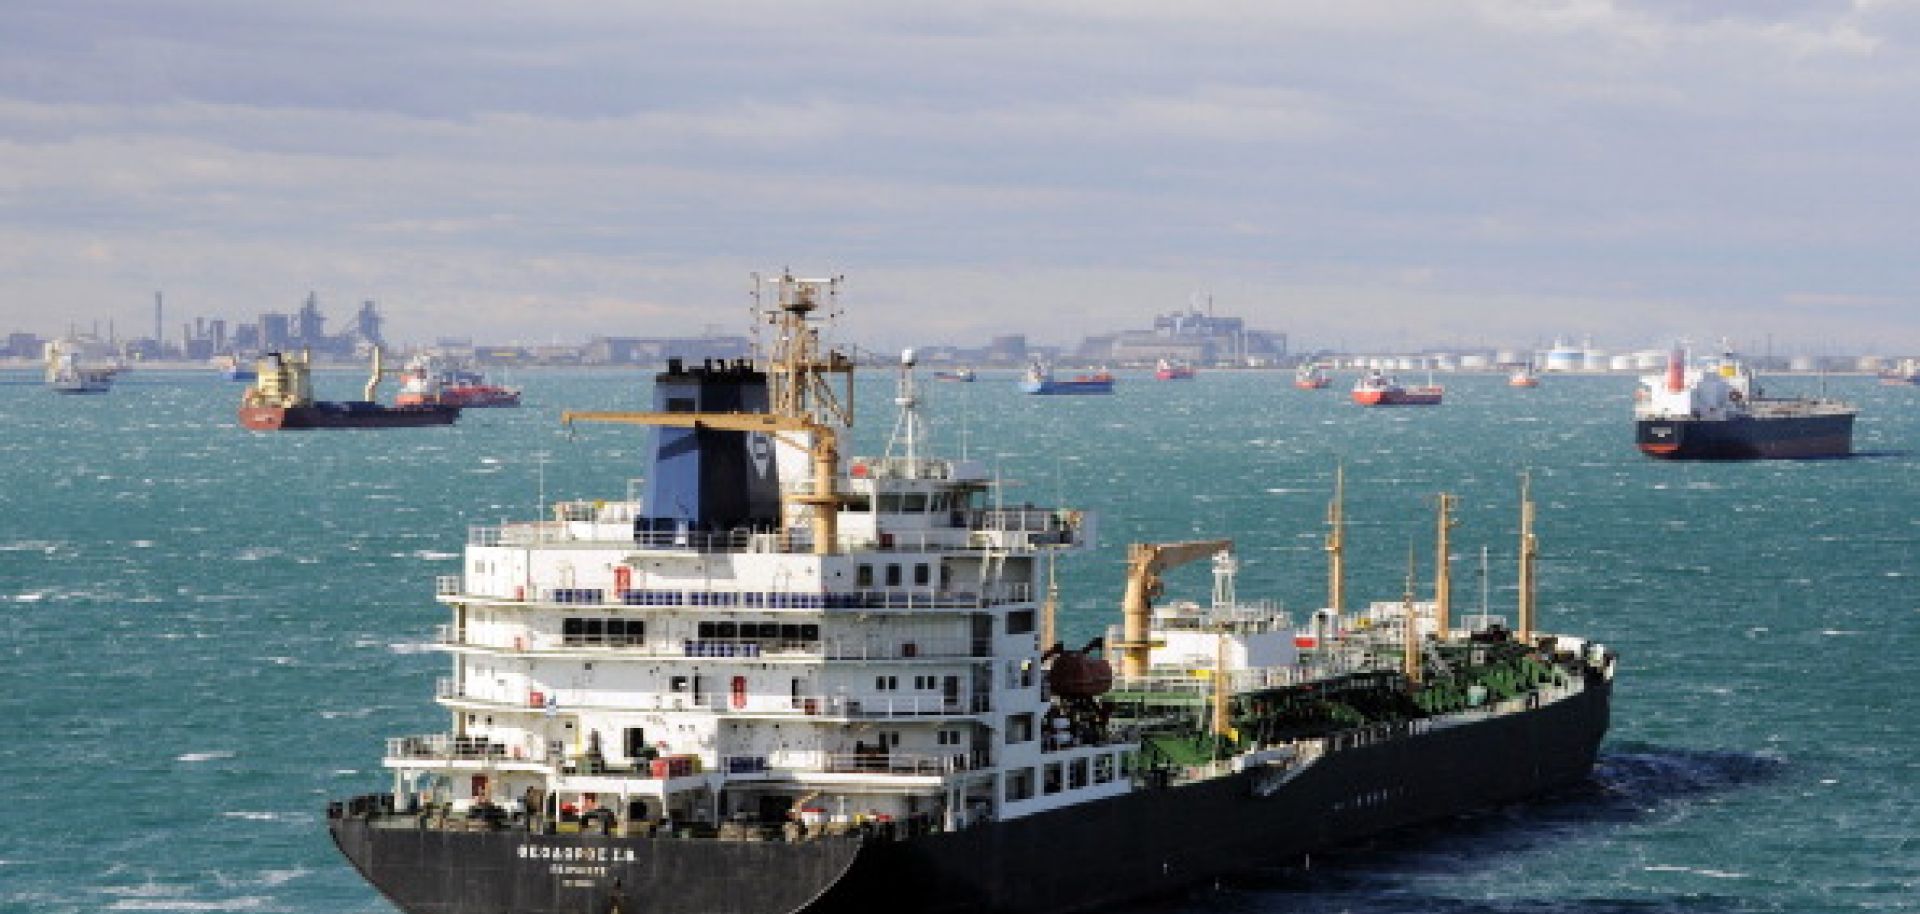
<point x="1367" y="175"/>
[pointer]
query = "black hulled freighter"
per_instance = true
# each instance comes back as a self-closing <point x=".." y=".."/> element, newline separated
<point x="784" y="681"/>
<point x="1718" y="411"/>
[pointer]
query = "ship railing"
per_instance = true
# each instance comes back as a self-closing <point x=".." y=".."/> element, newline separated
<point x="1237" y="680"/>
<point x="899" y="468"/>
<point x="866" y="706"/>
<point x="888" y="763"/>
<point x="884" y="706"/>
<point x="448" y="747"/>
<point x="902" y="598"/>
<point x="744" y="648"/>
<point x="901" y="649"/>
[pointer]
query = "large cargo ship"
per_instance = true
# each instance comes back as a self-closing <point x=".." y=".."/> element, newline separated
<point x="1718" y="411"/>
<point x="281" y="397"/>
<point x="784" y="681"/>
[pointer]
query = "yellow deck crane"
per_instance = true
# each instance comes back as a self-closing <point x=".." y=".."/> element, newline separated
<point x="1145" y="563"/>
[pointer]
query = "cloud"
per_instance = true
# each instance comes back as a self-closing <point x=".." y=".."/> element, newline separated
<point x="1062" y="167"/>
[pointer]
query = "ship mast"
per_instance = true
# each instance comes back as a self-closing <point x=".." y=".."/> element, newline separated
<point x="797" y="369"/>
<point x="909" y="430"/>
<point x="1337" y="545"/>
<point x="1410" y="665"/>
<point x="1050" y="609"/>
<point x="806" y="413"/>
<point x="1443" y="567"/>
<point x="1529" y="553"/>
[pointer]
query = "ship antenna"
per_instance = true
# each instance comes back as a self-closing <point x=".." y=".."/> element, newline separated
<point x="1529" y="552"/>
<point x="1443" y="567"/>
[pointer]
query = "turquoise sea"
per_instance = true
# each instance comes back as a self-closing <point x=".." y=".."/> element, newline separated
<point x="208" y="632"/>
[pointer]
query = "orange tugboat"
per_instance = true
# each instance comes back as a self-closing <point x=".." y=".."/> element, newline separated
<point x="282" y="398"/>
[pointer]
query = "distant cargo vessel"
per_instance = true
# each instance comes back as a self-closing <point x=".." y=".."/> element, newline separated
<point x="65" y="374"/>
<point x="1718" y="412"/>
<point x="1040" y="380"/>
<point x="963" y="375"/>
<point x="429" y="381"/>
<point x="232" y="369"/>
<point x="1377" y="388"/>
<point x="1906" y="374"/>
<point x="282" y="398"/>
<point x="1172" y="370"/>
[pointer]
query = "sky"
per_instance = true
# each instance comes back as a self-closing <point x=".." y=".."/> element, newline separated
<point x="1359" y="174"/>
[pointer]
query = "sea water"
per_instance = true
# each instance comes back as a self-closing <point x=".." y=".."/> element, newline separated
<point x="209" y="632"/>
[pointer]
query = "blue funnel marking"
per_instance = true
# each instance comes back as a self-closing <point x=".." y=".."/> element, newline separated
<point x="705" y="482"/>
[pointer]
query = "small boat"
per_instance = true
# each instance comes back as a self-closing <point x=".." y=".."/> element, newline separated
<point x="282" y="398"/>
<point x="65" y="375"/>
<point x="1906" y="374"/>
<point x="1523" y="376"/>
<point x="1311" y="376"/>
<point x="231" y="368"/>
<point x="1377" y="388"/>
<point x="1040" y="380"/>
<point x="963" y="375"/>
<point x="427" y="380"/>
<point x="1173" y="370"/>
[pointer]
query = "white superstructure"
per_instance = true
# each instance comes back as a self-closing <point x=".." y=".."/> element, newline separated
<point x="663" y="677"/>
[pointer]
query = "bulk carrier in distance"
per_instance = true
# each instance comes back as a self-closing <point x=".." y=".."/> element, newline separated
<point x="788" y="681"/>
<point x="1718" y="411"/>
<point x="281" y="397"/>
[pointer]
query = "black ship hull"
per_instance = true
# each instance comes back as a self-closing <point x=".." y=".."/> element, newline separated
<point x="349" y="414"/>
<point x="1145" y="843"/>
<point x="1745" y="438"/>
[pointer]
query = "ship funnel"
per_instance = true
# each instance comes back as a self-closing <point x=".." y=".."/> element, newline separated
<point x="1676" y="370"/>
<point x="704" y="480"/>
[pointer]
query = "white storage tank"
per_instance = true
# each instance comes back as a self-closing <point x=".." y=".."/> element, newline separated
<point x="1803" y="363"/>
<point x="1474" y="361"/>
<point x="1594" y="360"/>
<point x="1620" y="363"/>
<point x="1563" y="357"/>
